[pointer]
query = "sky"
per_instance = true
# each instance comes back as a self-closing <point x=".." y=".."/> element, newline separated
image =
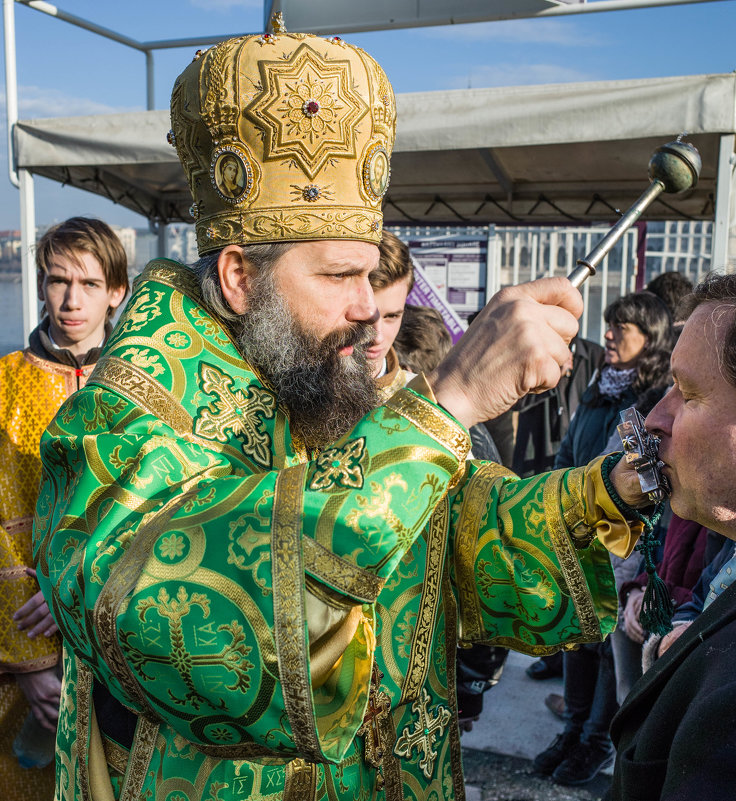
<point x="66" y="71"/>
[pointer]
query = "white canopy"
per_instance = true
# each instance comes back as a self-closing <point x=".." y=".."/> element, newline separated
<point x="543" y="154"/>
<point x="325" y="16"/>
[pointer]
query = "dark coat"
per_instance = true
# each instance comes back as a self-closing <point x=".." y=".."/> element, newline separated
<point x="675" y="735"/>
<point x="591" y="427"/>
<point x="545" y="418"/>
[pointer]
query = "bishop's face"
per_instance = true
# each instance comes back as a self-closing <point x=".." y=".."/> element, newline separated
<point x="305" y="324"/>
<point x="325" y="285"/>
<point x="696" y="421"/>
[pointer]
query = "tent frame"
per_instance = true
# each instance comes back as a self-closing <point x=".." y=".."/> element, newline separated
<point x="23" y="179"/>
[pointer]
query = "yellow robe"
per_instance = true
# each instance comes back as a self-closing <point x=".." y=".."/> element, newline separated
<point x="31" y="391"/>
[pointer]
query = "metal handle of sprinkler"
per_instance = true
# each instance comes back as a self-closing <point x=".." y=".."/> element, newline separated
<point x="673" y="168"/>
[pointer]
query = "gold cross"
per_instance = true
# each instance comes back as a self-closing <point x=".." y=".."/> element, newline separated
<point x="422" y="736"/>
<point x="232" y="657"/>
<point x="241" y="412"/>
<point x="539" y="584"/>
<point x="379" y="707"/>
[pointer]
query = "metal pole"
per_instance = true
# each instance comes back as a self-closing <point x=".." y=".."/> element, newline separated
<point x="162" y="229"/>
<point x="722" y="224"/>
<point x="53" y="11"/>
<point x="11" y="84"/>
<point x="29" y="290"/>
<point x="150" y="105"/>
<point x="198" y="41"/>
<point x="491" y="260"/>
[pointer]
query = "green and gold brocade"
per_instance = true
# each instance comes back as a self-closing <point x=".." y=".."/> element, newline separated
<point x="258" y="608"/>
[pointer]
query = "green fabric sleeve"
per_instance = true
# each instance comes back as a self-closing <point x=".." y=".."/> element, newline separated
<point x="520" y="579"/>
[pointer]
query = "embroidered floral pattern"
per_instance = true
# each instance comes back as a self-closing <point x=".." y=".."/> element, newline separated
<point x="340" y="467"/>
<point x="239" y="412"/>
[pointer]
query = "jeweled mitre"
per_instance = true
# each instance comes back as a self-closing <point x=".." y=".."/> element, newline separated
<point x="284" y="137"/>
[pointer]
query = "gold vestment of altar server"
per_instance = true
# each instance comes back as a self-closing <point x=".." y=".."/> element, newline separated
<point x="31" y="391"/>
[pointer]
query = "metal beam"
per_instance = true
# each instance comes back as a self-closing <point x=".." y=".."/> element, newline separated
<point x="498" y="171"/>
<point x="200" y="41"/>
<point x="29" y="290"/>
<point x="108" y="33"/>
<point x="11" y="84"/>
<point x="150" y="87"/>
<point x="612" y="5"/>
<point x="161" y="240"/>
<point x="724" y="203"/>
<point x="324" y="24"/>
<point x="163" y="44"/>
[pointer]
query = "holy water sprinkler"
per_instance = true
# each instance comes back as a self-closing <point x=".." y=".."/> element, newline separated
<point x="673" y="168"/>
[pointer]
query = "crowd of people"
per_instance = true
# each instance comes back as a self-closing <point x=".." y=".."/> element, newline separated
<point x="283" y="538"/>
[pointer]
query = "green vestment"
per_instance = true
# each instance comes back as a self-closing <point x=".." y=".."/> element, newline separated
<point x="284" y="626"/>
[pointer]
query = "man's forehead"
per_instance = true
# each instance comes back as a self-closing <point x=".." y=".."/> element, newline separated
<point x="76" y="263"/>
<point x="341" y="252"/>
<point x="711" y="320"/>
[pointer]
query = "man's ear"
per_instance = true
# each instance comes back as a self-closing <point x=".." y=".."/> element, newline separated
<point x="236" y="273"/>
<point x="39" y="285"/>
<point x="116" y="298"/>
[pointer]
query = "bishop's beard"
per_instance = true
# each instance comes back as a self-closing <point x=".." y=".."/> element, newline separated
<point x="325" y="393"/>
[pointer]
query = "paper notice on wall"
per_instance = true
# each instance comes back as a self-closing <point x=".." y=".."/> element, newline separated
<point x="425" y="293"/>
<point x="457" y="265"/>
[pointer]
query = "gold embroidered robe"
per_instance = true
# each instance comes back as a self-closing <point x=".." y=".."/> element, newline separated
<point x="285" y="626"/>
<point x="31" y="391"/>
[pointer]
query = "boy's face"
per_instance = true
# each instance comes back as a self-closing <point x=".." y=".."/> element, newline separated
<point x="390" y="302"/>
<point x="77" y="299"/>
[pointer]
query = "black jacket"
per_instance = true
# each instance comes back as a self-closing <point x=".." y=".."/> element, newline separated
<point x="675" y="735"/>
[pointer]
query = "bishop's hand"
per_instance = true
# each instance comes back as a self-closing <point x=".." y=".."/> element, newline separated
<point x="517" y="345"/>
<point x="626" y="482"/>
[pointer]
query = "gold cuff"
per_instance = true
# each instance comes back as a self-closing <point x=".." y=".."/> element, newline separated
<point x="617" y="534"/>
<point x="420" y="409"/>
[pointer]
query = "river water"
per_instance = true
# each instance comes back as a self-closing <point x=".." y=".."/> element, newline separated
<point x="11" y="314"/>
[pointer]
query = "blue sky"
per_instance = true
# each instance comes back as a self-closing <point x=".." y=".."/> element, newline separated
<point x="63" y="70"/>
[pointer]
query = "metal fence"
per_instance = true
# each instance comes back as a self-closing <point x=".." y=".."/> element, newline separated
<point x="528" y="253"/>
<point x="469" y="264"/>
<point x="682" y="246"/>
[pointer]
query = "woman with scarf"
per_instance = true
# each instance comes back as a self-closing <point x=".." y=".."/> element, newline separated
<point x="635" y="371"/>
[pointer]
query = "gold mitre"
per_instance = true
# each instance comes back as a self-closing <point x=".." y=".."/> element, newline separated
<point x="284" y="137"/>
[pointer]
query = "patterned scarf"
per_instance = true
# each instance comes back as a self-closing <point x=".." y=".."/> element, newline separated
<point x="613" y="383"/>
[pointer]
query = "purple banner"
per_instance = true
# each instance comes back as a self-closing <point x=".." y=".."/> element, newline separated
<point x="424" y="293"/>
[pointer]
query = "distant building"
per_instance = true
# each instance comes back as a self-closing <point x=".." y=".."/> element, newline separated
<point x="127" y="237"/>
<point x="9" y="251"/>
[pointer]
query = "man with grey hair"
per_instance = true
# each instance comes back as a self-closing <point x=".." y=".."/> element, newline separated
<point x="675" y="734"/>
